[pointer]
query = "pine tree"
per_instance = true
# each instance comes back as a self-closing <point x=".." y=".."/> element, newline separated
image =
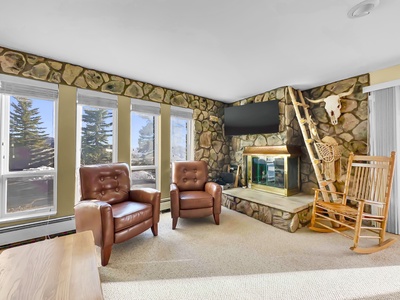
<point x="30" y="146"/>
<point x="146" y="143"/>
<point x="95" y="135"/>
<point x="178" y="139"/>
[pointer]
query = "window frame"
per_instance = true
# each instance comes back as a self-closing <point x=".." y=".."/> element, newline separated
<point x="43" y="91"/>
<point x="184" y="114"/>
<point x="154" y="110"/>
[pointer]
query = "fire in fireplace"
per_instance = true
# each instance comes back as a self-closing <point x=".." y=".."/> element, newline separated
<point x="274" y="169"/>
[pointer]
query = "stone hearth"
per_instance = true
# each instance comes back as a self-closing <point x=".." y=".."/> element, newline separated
<point x="287" y="213"/>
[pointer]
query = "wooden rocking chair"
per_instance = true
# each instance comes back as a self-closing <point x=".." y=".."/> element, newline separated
<point x="362" y="207"/>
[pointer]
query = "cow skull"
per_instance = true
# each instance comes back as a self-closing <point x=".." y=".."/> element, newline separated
<point x="333" y="104"/>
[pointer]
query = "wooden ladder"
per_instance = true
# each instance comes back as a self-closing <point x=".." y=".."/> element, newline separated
<point x="310" y="136"/>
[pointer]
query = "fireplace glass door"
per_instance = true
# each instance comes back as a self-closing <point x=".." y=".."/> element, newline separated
<point x="268" y="171"/>
<point x="277" y="174"/>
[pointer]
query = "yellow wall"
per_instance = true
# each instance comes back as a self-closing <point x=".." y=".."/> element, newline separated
<point x="164" y="166"/>
<point x="66" y="150"/>
<point x="385" y="75"/>
<point x="124" y="129"/>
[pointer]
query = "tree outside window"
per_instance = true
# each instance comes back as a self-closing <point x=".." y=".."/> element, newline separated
<point x="30" y="149"/>
<point x="30" y="146"/>
<point x="143" y="155"/>
<point x="143" y="147"/>
<point x="179" y="139"/>
<point x="96" y="136"/>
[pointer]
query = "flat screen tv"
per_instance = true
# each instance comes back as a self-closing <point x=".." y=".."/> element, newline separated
<point x="254" y="118"/>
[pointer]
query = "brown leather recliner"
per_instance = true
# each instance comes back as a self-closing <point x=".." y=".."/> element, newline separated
<point x="111" y="210"/>
<point x="191" y="195"/>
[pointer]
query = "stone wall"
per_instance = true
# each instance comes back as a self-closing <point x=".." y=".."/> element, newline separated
<point x="289" y="130"/>
<point x="210" y="144"/>
<point x="288" y="221"/>
<point x="351" y="132"/>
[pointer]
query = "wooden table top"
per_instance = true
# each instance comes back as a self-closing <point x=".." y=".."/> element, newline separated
<point x="59" y="268"/>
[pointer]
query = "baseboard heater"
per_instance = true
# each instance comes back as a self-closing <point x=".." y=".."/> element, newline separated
<point x="19" y="233"/>
<point x="165" y="204"/>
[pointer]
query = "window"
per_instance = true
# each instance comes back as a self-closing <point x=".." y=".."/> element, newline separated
<point x="181" y="134"/>
<point x="144" y="143"/>
<point x="28" y="148"/>
<point x="384" y="109"/>
<point x="97" y="113"/>
<point x="96" y="130"/>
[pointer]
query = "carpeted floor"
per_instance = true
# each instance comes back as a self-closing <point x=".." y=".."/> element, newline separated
<point x="246" y="259"/>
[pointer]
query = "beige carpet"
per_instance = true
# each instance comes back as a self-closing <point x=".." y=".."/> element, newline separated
<point x="246" y="259"/>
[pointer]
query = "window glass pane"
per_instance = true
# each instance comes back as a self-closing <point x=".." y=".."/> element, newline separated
<point x="143" y="178"/>
<point x="96" y="135"/>
<point x="142" y="139"/>
<point x="31" y="145"/>
<point x="29" y="193"/>
<point x="179" y="139"/>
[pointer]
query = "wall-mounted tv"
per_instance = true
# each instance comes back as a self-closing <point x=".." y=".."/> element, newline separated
<point x="254" y="118"/>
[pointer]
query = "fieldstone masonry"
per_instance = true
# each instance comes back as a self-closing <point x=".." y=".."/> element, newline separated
<point x="289" y="130"/>
<point x="273" y="216"/>
<point x="350" y="133"/>
<point x="210" y="144"/>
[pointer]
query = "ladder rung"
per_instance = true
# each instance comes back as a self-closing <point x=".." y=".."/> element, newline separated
<point x="316" y="161"/>
<point x="309" y="141"/>
<point x="302" y="104"/>
<point x="325" y="182"/>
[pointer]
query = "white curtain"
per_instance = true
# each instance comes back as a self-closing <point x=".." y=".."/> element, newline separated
<point x="384" y="115"/>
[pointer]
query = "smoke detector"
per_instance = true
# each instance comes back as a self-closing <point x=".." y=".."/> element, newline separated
<point x="362" y="9"/>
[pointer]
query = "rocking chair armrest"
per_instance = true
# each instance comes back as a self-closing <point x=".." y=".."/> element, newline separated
<point x="329" y="192"/>
<point x="376" y="203"/>
<point x="341" y="199"/>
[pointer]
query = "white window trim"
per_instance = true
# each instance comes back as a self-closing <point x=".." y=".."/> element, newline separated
<point x="31" y="83"/>
<point x="26" y="85"/>
<point x="381" y="86"/>
<point x="151" y="109"/>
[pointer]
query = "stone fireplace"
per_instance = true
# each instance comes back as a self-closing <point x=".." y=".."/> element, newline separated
<point x="273" y="169"/>
<point x="272" y="174"/>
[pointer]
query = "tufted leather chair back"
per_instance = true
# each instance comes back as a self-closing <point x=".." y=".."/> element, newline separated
<point x="105" y="182"/>
<point x="190" y="175"/>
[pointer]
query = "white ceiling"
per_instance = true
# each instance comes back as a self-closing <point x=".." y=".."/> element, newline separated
<point x="225" y="50"/>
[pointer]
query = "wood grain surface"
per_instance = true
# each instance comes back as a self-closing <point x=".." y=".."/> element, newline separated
<point x="60" y="268"/>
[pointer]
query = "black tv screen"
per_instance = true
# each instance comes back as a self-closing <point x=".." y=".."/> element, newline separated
<point x="254" y="118"/>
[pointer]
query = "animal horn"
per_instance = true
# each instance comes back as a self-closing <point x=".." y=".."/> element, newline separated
<point x="349" y="92"/>
<point x="316" y="101"/>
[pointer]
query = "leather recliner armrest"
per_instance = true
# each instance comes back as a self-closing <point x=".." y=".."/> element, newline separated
<point x="215" y="190"/>
<point x="148" y="195"/>
<point x="96" y="216"/>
